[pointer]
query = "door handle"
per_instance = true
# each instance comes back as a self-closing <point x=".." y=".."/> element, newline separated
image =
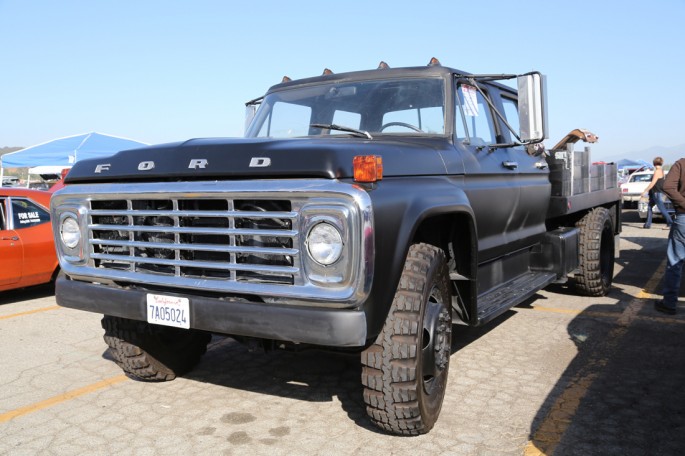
<point x="13" y="238"/>
<point x="510" y="164"/>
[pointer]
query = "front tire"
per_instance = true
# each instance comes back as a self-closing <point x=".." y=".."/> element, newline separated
<point x="152" y="352"/>
<point x="405" y="370"/>
<point x="596" y="253"/>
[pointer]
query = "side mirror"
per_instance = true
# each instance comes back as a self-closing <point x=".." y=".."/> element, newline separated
<point x="532" y="105"/>
<point x="250" y="113"/>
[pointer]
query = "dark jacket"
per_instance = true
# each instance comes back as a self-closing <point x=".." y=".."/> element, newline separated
<point x="674" y="185"/>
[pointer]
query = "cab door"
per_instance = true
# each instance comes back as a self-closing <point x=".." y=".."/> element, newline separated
<point x="11" y="249"/>
<point x="491" y="174"/>
<point x="534" y="186"/>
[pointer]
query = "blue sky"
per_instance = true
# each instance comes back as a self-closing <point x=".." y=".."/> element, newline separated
<point x="161" y="71"/>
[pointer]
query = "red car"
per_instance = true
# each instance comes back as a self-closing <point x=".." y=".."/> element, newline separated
<point x="27" y="247"/>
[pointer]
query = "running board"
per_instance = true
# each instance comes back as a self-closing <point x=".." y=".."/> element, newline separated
<point x="497" y="301"/>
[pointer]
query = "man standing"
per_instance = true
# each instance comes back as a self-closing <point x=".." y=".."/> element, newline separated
<point x="674" y="187"/>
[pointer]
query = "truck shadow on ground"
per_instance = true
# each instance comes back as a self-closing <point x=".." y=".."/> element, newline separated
<point x="27" y="294"/>
<point x="310" y="375"/>
<point x="623" y="392"/>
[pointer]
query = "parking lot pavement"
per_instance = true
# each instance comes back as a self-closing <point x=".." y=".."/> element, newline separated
<point x="560" y="374"/>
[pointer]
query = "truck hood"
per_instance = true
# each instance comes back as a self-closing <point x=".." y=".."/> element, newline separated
<point x="208" y="159"/>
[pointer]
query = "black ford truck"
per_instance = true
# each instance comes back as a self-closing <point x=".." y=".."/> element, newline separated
<point x="372" y="211"/>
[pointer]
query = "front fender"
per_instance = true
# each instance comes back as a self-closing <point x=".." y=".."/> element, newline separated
<point x="400" y="206"/>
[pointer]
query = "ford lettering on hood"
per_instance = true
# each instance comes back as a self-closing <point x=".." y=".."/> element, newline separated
<point x="329" y="158"/>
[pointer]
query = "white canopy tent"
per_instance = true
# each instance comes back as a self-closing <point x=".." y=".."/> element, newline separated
<point x="47" y="169"/>
<point x="46" y="173"/>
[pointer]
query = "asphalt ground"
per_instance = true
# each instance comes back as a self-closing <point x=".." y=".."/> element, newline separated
<point x="560" y="374"/>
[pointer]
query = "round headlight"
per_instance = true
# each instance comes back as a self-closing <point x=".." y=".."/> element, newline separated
<point x="324" y="244"/>
<point x="70" y="232"/>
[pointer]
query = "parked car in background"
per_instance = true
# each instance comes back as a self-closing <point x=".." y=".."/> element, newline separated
<point x="10" y="181"/>
<point x="27" y="248"/>
<point x="632" y="190"/>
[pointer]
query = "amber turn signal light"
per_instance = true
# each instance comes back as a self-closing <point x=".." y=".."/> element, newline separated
<point x="368" y="168"/>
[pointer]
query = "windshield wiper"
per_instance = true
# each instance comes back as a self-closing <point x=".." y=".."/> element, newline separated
<point x="360" y="133"/>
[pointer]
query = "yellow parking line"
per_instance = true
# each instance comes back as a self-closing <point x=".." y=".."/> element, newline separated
<point x="553" y="427"/>
<point x="28" y="312"/>
<point x="61" y="398"/>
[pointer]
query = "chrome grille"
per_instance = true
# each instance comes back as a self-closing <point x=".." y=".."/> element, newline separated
<point x="237" y="240"/>
<point x="240" y="239"/>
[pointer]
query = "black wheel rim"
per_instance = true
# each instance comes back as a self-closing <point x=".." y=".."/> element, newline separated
<point x="436" y="342"/>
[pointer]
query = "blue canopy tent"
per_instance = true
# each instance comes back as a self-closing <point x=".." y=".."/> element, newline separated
<point x="67" y="151"/>
<point x="634" y="164"/>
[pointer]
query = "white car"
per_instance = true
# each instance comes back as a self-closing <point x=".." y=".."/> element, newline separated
<point x="633" y="189"/>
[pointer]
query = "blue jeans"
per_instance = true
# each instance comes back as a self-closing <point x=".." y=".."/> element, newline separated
<point x="657" y="198"/>
<point x="674" y="267"/>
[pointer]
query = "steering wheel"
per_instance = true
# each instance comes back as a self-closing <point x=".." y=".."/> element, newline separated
<point x="401" y="124"/>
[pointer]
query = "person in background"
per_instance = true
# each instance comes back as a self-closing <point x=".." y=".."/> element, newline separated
<point x="674" y="188"/>
<point x="655" y="191"/>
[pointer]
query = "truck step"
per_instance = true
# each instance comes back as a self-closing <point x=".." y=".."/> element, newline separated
<point x="497" y="301"/>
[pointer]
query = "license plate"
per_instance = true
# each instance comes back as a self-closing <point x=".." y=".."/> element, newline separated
<point x="168" y="311"/>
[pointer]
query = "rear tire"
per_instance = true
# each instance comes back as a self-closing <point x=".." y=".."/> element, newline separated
<point x="405" y="370"/>
<point x="596" y="253"/>
<point x="152" y="352"/>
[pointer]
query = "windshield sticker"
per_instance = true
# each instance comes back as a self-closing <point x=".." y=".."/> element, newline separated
<point x="28" y="217"/>
<point x="470" y="100"/>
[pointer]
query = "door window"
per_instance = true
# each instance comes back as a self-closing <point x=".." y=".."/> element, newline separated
<point x="27" y="214"/>
<point x="476" y="115"/>
<point x="512" y="115"/>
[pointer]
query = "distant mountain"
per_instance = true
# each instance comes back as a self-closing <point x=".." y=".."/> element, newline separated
<point x="669" y="154"/>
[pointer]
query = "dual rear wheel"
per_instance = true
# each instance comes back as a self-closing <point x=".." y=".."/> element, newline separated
<point x="596" y="253"/>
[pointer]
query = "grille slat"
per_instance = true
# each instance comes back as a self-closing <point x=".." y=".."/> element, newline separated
<point x="181" y="230"/>
<point x="198" y="247"/>
<point x="210" y="238"/>
<point x="199" y="264"/>
<point x="241" y="214"/>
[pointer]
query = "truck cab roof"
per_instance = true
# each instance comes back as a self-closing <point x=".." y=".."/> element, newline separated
<point x="436" y="70"/>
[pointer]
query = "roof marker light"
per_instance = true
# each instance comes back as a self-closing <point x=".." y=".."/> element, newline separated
<point x="434" y="62"/>
<point x="383" y="66"/>
<point x="285" y="79"/>
<point x="367" y="168"/>
<point x="326" y="72"/>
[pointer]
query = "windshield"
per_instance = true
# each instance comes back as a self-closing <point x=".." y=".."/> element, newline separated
<point x="392" y="106"/>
